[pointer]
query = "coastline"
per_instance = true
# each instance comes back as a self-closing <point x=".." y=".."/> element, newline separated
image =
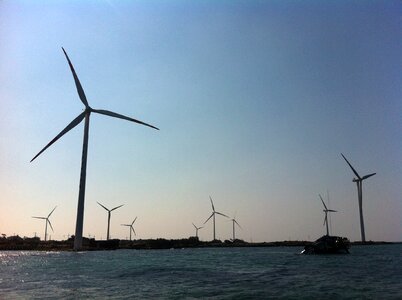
<point x="27" y="244"/>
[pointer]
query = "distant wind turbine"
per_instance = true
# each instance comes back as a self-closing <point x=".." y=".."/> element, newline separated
<point x="196" y="229"/>
<point x="326" y="211"/>
<point x="235" y="222"/>
<point x="359" y="182"/>
<point x="84" y="115"/>
<point x="131" y="227"/>
<point x="46" y="222"/>
<point x="213" y="215"/>
<point x="109" y="211"/>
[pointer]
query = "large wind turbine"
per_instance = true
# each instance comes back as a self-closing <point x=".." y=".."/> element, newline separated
<point x="213" y="215"/>
<point x="359" y="182"/>
<point x="131" y="227"/>
<point x="84" y="115"/>
<point x="235" y="222"/>
<point x="109" y="212"/>
<point x="196" y="229"/>
<point x="326" y="211"/>
<point x="47" y="221"/>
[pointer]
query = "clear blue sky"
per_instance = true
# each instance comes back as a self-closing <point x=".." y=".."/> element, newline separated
<point x="255" y="101"/>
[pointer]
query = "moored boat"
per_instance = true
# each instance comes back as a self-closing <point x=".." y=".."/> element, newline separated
<point x="328" y="245"/>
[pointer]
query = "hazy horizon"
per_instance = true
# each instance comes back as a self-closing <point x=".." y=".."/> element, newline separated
<point x="255" y="101"/>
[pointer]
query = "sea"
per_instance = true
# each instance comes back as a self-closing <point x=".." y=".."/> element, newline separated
<point x="368" y="272"/>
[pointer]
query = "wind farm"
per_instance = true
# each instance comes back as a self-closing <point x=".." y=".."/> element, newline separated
<point x="265" y="149"/>
<point x="277" y="112"/>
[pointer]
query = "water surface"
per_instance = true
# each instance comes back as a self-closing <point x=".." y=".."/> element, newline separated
<point x="369" y="272"/>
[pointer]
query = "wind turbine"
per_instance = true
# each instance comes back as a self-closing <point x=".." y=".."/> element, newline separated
<point x="131" y="227"/>
<point x="213" y="215"/>
<point x="359" y="182"/>
<point x="326" y="211"/>
<point x="109" y="212"/>
<point x="84" y="115"/>
<point x="47" y="221"/>
<point x="235" y="222"/>
<point x="196" y="229"/>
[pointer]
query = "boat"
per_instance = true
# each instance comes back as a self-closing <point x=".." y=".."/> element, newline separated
<point x="328" y="245"/>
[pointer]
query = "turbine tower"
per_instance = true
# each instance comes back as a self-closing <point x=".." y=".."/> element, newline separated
<point x="47" y="221"/>
<point x="233" y="223"/>
<point x="196" y="229"/>
<point x="213" y="215"/>
<point x="326" y="211"/>
<point x="109" y="212"/>
<point x="84" y="115"/>
<point x="131" y="227"/>
<point x="359" y="183"/>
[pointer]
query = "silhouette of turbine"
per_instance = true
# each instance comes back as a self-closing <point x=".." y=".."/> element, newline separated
<point x="47" y="221"/>
<point x="213" y="215"/>
<point x="326" y="211"/>
<point x="131" y="227"/>
<point x="196" y="229"/>
<point x="359" y="182"/>
<point x="84" y="115"/>
<point x="233" y="223"/>
<point x="109" y="212"/>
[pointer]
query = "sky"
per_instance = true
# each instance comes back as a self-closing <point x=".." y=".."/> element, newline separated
<point x="255" y="101"/>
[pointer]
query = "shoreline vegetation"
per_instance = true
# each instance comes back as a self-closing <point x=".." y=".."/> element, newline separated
<point x="90" y="244"/>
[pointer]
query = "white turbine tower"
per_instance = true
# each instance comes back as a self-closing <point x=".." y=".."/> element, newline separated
<point x="326" y="211"/>
<point x="213" y="215"/>
<point x="109" y="212"/>
<point x="131" y="227"/>
<point x="359" y="183"/>
<point x="196" y="229"/>
<point x="84" y="115"/>
<point x="46" y="222"/>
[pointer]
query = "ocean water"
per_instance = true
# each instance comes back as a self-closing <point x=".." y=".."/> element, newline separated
<point x="369" y="272"/>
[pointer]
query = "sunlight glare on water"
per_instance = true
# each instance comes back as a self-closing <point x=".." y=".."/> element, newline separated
<point x="220" y="273"/>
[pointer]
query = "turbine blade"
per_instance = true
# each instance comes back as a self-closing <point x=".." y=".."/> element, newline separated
<point x="133" y="230"/>
<point x="52" y="211"/>
<point x="368" y="176"/>
<point x="119" y="116"/>
<point x="77" y="82"/>
<point x="222" y="214"/>
<point x="125" y="224"/>
<point x="70" y="126"/>
<point x="325" y="219"/>
<point x="212" y="203"/>
<point x="194" y="226"/>
<point x="134" y="221"/>
<point x="43" y="218"/>
<point x="116" y="207"/>
<point x="102" y="206"/>
<point x="322" y="201"/>
<point x="50" y="224"/>
<point x="331" y="210"/>
<point x="354" y="171"/>
<point x="209" y="218"/>
<point x="238" y="224"/>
